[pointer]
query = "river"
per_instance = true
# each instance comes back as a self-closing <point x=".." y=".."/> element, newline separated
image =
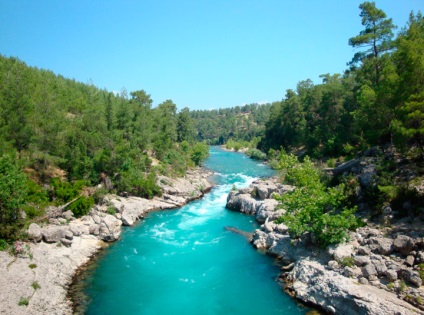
<point x="184" y="262"/>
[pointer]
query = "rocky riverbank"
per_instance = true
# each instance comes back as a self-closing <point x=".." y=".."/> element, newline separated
<point x="37" y="279"/>
<point x="378" y="272"/>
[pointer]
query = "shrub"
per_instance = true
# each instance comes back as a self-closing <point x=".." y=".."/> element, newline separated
<point x="32" y="266"/>
<point x="256" y="154"/>
<point x="313" y="207"/>
<point x="13" y="192"/>
<point x="3" y="245"/>
<point x="81" y="206"/>
<point x="136" y="183"/>
<point x="23" y="301"/>
<point x="35" y="285"/>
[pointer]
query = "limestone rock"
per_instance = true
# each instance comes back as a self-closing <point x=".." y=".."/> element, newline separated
<point x="34" y="232"/>
<point x="267" y="209"/>
<point x="361" y="260"/>
<point x="333" y="265"/>
<point x="312" y="283"/>
<point x="110" y="228"/>
<point x="403" y="244"/>
<point x="66" y="241"/>
<point x="369" y="270"/>
<point x="53" y="233"/>
<point x="341" y="251"/>
<point x="409" y="261"/>
<point x="391" y="275"/>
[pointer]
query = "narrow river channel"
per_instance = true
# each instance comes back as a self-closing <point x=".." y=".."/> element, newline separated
<point x="184" y="261"/>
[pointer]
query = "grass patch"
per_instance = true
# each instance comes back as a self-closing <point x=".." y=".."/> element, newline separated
<point x="23" y="301"/>
<point x="35" y="285"/>
<point x="32" y="266"/>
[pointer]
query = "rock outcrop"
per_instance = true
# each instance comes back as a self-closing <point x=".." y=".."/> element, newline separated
<point x="258" y="199"/>
<point x="376" y="272"/>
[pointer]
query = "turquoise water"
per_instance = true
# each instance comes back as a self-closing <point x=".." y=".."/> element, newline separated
<point x="184" y="261"/>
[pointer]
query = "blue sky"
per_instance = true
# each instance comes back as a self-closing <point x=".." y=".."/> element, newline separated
<point x="202" y="54"/>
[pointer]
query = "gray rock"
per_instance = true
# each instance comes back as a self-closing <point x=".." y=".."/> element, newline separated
<point x="66" y="242"/>
<point x="75" y="229"/>
<point x="54" y="221"/>
<point x="403" y="244"/>
<point x="281" y="228"/>
<point x="268" y="209"/>
<point x="69" y="235"/>
<point x="259" y="240"/>
<point x="411" y="276"/>
<point x="361" y="260"/>
<point x="34" y="232"/>
<point x="54" y="233"/>
<point x="96" y="218"/>
<point x="94" y="229"/>
<point x="341" y="251"/>
<point x="333" y="265"/>
<point x="110" y="228"/>
<point x="364" y="250"/>
<point x="391" y="275"/>
<point x="363" y="280"/>
<point x="68" y="215"/>
<point x="380" y="267"/>
<point x="350" y="272"/>
<point x="369" y="270"/>
<point x="313" y="283"/>
<point x="384" y="246"/>
<point x="420" y="257"/>
<point x="409" y="261"/>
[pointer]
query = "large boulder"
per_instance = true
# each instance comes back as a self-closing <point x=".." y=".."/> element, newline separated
<point x="34" y="232"/>
<point x="244" y="203"/>
<point x="336" y="294"/>
<point x="54" y="233"/>
<point x="110" y="228"/>
<point x="403" y="244"/>
<point x="268" y="209"/>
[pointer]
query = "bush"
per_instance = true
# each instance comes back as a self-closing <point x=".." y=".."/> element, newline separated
<point x="3" y="245"/>
<point x="81" y="206"/>
<point x="312" y="207"/>
<point x="65" y="191"/>
<point x="23" y="301"/>
<point x="135" y="183"/>
<point x="13" y="193"/>
<point x="256" y="154"/>
<point x="35" y="285"/>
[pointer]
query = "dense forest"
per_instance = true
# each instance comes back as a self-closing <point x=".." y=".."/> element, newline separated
<point x="238" y="123"/>
<point x="379" y="100"/>
<point x="58" y="136"/>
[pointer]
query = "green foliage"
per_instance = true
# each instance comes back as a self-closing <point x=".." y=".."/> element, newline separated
<point x="81" y="206"/>
<point x="312" y="207"/>
<point x="32" y="266"/>
<point x="35" y="285"/>
<point x="244" y="123"/>
<point x="13" y="191"/>
<point x="3" y="245"/>
<point x="23" y="301"/>
<point x="111" y="210"/>
<point x="138" y="184"/>
<point x="65" y="191"/>
<point x="256" y="154"/>
<point x="347" y="261"/>
<point x="199" y="153"/>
